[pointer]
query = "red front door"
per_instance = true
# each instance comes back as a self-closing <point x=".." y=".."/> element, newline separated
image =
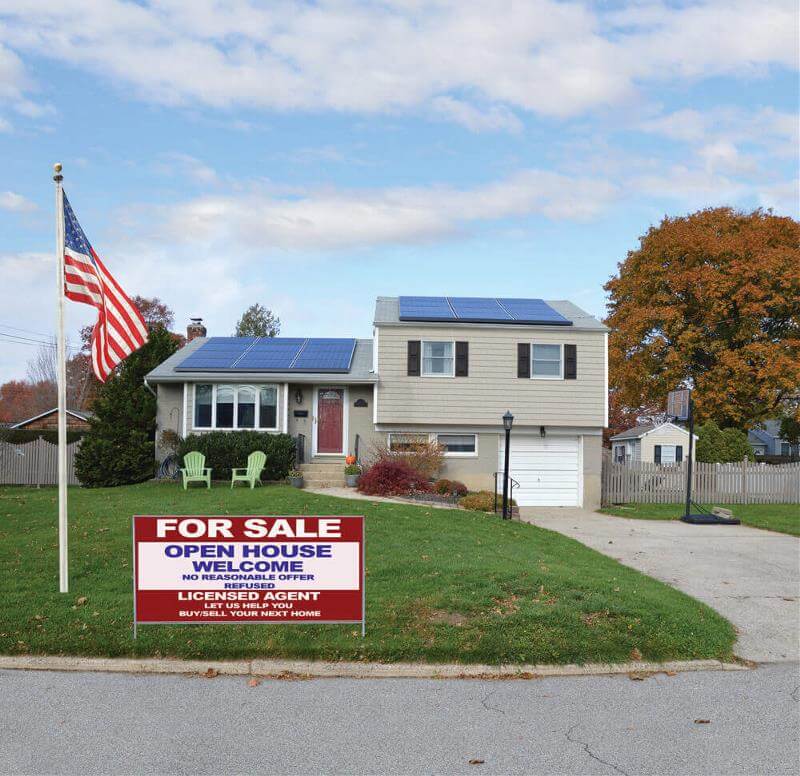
<point x="330" y="420"/>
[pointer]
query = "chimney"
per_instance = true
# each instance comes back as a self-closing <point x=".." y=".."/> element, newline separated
<point x="195" y="329"/>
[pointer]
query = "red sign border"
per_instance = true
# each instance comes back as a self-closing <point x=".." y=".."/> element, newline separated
<point x="362" y="561"/>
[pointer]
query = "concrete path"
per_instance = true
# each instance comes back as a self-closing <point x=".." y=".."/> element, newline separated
<point x="750" y="576"/>
<point x="742" y="722"/>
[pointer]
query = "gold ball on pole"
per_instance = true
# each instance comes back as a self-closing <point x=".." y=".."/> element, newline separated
<point x="57" y="167"/>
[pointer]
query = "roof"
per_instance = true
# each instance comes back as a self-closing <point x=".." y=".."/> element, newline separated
<point x="387" y="312"/>
<point x="74" y="413"/>
<point x="645" y="428"/>
<point x="360" y="370"/>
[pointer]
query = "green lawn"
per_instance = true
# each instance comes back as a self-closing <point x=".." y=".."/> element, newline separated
<point x="442" y="585"/>
<point x="784" y="518"/>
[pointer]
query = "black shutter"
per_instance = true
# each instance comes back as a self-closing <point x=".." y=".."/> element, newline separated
<point x="658" y="454"/>
<point x="570" y="362"/>
<point x="523" y="359"/>
<point x="678" y="453"/>
<point x="413" y="358"/>
<point x="462" y="359"/>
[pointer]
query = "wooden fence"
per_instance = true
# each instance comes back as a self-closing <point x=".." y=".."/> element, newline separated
<point x="35" y="463"/>
<point x="712" y="483"/>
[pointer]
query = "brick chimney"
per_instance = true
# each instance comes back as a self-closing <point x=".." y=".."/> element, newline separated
<point x="195" y="329"/>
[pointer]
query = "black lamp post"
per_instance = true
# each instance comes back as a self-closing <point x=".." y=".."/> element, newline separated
<point x="508" y="421"/>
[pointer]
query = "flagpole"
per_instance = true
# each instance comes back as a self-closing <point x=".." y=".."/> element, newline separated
<point x="63" y="561"/>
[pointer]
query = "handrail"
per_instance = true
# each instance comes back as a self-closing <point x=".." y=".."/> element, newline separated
<point x="511" y="481"/>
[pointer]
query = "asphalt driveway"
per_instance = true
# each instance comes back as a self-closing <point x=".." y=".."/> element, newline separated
<point x="750" y="576"/>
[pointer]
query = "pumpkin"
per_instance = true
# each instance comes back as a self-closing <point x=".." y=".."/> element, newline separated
<point x="350" y="460"/>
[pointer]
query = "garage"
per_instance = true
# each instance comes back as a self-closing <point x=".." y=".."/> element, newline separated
<point x="548" y="470"/>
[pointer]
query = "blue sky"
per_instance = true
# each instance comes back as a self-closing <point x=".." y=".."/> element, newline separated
<point x="310" y="156"/>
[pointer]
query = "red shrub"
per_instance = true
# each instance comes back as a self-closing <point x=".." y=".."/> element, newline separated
<point x="391" y="478"/>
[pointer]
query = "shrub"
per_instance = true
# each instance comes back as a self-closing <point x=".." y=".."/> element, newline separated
<point x="715" y="445"/>
<point x="226" y="449"/>
<point x="422" y="456"/>
<point x="21" y="436"/>
<point x="450" y="488"/>
<point x="482" y="501"/>
<point x="352" y="468"/>
<point x="391" y="477"/>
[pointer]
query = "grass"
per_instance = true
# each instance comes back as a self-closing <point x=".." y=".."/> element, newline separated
<point x="442" y="585"/>
<point x="784" y="518"/>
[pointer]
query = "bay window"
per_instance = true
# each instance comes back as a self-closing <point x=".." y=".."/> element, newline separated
<point x="225" y="406"/>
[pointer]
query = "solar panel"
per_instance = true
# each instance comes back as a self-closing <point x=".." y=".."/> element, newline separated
<point x="271" y="353"/>
<point x="425" y="308"/>
<point x="478" y="310"/>
<point x="534" y="311"/>
<point x="325" y="355"/>
<point x="217" y="353"/>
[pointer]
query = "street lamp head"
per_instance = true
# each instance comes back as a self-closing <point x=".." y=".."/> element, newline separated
<point x="508" y="420"/>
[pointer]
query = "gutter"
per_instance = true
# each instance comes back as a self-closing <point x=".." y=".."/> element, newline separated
<point x="149" y="388"/>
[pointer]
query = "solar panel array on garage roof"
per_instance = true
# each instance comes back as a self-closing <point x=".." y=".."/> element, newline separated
<point x="479" y="310"/>
<point x="270" y="354"/>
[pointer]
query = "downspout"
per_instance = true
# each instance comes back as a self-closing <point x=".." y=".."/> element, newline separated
<point x="149" y="388"/>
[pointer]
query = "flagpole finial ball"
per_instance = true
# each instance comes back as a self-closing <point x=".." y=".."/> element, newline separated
<point x="57" y="167"/>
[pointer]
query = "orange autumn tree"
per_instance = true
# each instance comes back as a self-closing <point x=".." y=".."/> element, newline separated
<point x="712" y="298"/>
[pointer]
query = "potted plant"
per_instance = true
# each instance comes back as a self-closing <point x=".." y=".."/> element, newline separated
<point x="351" y="474"/>
<point x="295" y="478"/>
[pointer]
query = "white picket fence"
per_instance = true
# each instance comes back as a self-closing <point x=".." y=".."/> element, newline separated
<point x="35" y="463"/>
<point x="712" y="483"/>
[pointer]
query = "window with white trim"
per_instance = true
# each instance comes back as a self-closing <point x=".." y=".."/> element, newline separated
<point x="228" y="406"/>
<point x="438" y="359"/>
<point x="458" y="444"/>
<point x="547" y="361"/>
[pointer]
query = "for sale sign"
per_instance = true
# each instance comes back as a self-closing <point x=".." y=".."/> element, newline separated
<point x="198" y="569"/>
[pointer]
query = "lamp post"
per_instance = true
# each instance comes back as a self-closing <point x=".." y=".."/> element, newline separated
<point x="508" y="421"/>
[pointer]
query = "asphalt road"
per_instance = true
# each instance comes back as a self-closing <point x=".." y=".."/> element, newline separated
<point x="117" y="723"/>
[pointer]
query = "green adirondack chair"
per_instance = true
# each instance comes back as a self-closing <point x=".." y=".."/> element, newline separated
<point x="195" y="469"/>
<point x="252" y="472"/>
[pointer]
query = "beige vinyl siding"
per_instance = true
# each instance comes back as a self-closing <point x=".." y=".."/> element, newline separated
<point x="666" y="436"/>
<point x="492" y="386"/>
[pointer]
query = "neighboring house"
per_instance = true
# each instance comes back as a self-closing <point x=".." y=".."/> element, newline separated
<point x="437" y="368"/>
<point x="664" y="443"/>
<point x="48" y="421"/>
<point x="766" y="439"/>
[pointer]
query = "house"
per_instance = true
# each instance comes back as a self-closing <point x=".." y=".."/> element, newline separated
<point x="766" y="439"/>
<point x="436" y="368"/>
<point x="48" y="421"/>
<point x="664" y="443"/>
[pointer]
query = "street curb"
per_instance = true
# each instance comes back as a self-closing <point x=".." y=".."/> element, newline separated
<point x="317" y="669"/>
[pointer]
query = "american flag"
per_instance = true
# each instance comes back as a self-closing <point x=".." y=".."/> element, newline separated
<point x="120" y="328"/>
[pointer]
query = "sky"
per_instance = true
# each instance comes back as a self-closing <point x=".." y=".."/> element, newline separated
<point x="310" y="156"/>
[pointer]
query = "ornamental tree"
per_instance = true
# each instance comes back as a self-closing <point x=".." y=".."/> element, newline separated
<point x="258" y="321"/>
<point x="711" y="300"/>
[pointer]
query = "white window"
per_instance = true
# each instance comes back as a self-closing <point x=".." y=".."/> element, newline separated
<point x="458" y="444"/>
<point x="438" y="359"/>
<point x="619" y="453"/>
<point x="547" y="362"/>
<point x="406" y="443"/>
<point x="235" y="407"/>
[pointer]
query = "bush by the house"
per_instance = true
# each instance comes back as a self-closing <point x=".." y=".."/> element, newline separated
<point x="482" y="501"/>
<point x="716" y="445"/>
<point x="225" y="450"/>
<point x="118" y="448"/>
<point x="420" y="454"/>
<point x="389" y="477"/>
<point x="450" y="488"/>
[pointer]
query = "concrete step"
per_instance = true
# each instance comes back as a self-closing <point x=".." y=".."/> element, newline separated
<point x="316" y="477"/>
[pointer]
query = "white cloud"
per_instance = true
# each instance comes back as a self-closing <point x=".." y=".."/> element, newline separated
<point x="15" y="203"/>
<point x="336" y="219"/>
<point x="177" y="163"/>
<point x="496" y="117"/>
<point x="539" y="56"/>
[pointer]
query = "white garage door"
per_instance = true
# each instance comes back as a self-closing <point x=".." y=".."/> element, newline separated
<point x="547" y="470"/>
